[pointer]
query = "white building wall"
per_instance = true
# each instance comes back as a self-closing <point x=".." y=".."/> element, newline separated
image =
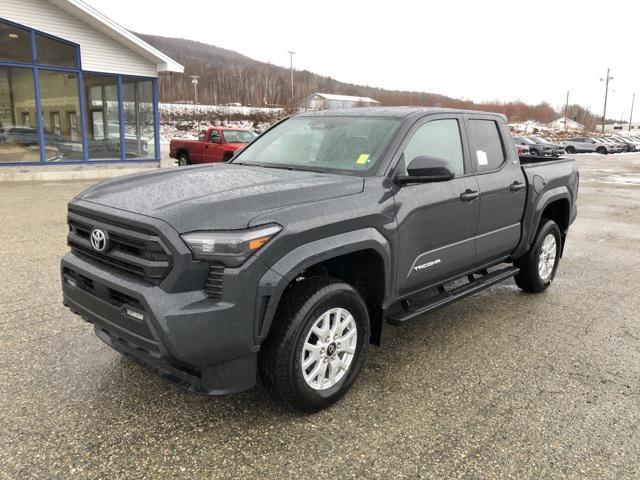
<point x="99" y="52"/>
<point x="620" y="128"/>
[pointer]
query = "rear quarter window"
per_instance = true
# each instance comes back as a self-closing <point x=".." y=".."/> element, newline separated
<point x="487" y="149"/>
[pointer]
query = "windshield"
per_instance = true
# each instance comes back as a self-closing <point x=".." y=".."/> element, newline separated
<point x="529" y="141"/>
<point x="539" y="140"/>
<point x="238" y="136"/>
<point x="322" y="143"/>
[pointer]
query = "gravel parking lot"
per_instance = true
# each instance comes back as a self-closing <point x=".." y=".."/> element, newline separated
<point x="503" y="384"/>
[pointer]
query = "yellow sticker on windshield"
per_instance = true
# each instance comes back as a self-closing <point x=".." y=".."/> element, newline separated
<point x="362" y="159"/>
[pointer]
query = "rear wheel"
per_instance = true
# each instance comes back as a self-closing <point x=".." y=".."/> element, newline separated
<point x="183" y="160"/>
<point x="535" y="153"/>
<point x="227" y="156"/>
<point x="538" y="267"/>
<point x="317" y="344"/>
<point x="570" y="150"/>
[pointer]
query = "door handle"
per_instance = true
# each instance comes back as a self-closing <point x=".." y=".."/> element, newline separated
<point x="517" y="186"/>
<point x="468" y="195"/>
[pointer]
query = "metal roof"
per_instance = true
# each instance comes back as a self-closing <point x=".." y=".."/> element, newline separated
<point x="100" y="22"/>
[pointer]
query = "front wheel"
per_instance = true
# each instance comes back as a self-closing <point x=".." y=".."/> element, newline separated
<point x="570" y="150"/>
<point x="317" y="344"/>
<point x="601" y="150"/>
<point x="538" y="266"/>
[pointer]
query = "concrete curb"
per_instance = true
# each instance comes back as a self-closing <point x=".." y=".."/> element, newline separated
<point x="44" y="174"/>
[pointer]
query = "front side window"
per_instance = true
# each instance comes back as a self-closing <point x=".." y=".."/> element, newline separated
<point x="343" y="144"/>
<point x="438" y="138"/>
<point x="214" y="137"/>
<point x="486" y="143"/>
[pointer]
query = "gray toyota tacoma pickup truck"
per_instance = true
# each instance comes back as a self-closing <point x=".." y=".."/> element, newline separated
<point x="285" y="263"/>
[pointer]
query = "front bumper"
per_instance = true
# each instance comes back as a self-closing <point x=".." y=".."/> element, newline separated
<point x="207" y="345"/>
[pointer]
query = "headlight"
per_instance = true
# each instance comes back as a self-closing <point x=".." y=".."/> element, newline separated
<point x="232" y="247"/>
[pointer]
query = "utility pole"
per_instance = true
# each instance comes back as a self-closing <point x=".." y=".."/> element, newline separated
<point x="291" y="54"/>
<point x="566" y="108"/>
<point x="194" y="80"/>
<point x="606" y="94"/>
<point x="633" y="100"/>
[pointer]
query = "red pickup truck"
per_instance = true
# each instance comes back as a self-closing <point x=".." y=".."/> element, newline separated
<point x="213" y="145"/>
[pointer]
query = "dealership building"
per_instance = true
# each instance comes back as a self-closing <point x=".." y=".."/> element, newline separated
<point x="75" y="87"/>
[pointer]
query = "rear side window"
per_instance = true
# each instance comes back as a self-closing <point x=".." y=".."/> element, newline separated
<point x="487" y="151"/>
<point x="438" y="138"/>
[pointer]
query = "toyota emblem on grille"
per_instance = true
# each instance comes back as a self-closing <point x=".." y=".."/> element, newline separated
<point x="99" y="240"/>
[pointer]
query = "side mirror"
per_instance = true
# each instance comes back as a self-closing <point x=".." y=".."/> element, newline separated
<point x="427" y="169"/>
<point x="214" y="139"/>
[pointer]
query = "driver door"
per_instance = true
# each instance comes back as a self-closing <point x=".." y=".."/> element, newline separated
<point x="437" y="221"/>
<point x="213" y="150"/>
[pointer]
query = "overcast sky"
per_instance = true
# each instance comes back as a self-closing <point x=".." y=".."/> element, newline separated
<point x="481" y="50"/>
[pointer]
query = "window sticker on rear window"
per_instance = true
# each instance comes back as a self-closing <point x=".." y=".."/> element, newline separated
<point x="482" y="157"/>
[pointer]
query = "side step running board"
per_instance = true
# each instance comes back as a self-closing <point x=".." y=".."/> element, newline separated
<point x="445" y="297"/>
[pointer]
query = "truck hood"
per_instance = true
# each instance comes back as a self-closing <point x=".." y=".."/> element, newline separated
<point x="217" y="196"/>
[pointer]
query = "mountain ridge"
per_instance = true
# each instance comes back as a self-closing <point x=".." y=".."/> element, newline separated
<point x="227" y="76"/>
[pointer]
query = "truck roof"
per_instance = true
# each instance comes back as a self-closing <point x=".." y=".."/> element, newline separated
<point x="399" y="112"/>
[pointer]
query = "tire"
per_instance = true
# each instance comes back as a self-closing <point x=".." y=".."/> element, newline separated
<point x="183" y="160"/>
<point x="302" y="308"/>
<point x="535" y="153"/>
<point x="533" y="278"/>
<point x="570" y="150"/>
<point x="227" y="156"/>
<point x="601" y="150"/>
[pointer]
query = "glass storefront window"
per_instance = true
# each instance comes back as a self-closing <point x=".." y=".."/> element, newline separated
<point x="139" y="127"/>
<point x="53" y="52"/>
<point x="51" y="111"/>
<point x="103" y="119"/>
<point x="15" y="44"/>
<point x="18" y="124"/>
<point x="60" y="107"/>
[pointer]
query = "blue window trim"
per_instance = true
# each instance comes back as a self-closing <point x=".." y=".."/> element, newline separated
<point x="123" y="142"/>
<point x="120" y="78"/>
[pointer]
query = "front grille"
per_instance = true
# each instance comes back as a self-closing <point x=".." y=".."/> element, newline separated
<point x="213" y="285"/>
<point x="133" y="251"/>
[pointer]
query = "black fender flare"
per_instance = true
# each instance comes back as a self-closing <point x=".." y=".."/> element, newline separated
<point x="546" y="199"/>
<point x="274" y="282"/>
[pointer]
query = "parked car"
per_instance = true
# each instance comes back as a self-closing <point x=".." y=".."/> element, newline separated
<point x="535" y="148"/>
<point x="585" y="145"/>
<point x="538" y="149"/>
<point x="630" y="144"/>
<point x="556" y="150"/>
<point x="614" y="147"/>
<point x="213" y="145"/>
<point x="27" y="136"/>
<point x="287" y="260"/>
<point x="522" y="146"/>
